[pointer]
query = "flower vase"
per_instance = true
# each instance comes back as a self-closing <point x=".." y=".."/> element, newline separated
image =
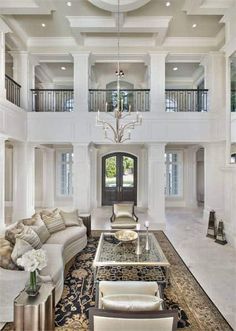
<point x="33" y="287"/>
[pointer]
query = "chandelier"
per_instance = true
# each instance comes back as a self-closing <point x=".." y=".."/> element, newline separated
<point x="117" y="124"/>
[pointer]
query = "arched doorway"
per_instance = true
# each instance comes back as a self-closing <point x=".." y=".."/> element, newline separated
<point x="119" y="178"/>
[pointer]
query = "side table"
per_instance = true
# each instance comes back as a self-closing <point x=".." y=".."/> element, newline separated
<point x="35" y="313"/>
<point x="87" y="222"/>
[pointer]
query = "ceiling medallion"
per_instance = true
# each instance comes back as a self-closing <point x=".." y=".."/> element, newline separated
<point x="125" y="5"/>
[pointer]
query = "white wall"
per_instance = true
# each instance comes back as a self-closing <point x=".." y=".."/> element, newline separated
<point x="104" y="73"/>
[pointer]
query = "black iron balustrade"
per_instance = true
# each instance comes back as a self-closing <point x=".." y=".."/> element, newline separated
<point x="52" y="100"/>
<point x="135" y="99"/>
<point x="12" y="90"/>
<point x="186" y="100"/>
<point x="233" y="100"/>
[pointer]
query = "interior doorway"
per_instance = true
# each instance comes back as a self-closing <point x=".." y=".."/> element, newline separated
<point x="119" y="178"/>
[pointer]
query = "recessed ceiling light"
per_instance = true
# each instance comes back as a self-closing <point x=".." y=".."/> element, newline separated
<point x="194" y="25"/>
<point x="43" y="25"/>
<point x="175" y="68"/>
<point x="69" y="4"/>
<point x="63" y="68"/>
<point x="167" y="3"/>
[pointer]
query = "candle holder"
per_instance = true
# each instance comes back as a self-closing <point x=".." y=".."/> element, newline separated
<point x="138" y="246"/>
<point x="147" y="246"/>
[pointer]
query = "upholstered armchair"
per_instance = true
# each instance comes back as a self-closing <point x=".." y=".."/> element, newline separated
<point x="123" y="216"/>
<point x="129" y="296"/>
<point x="104" y="320"/>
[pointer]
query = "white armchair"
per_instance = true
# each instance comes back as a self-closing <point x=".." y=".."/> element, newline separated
<point x="102" y="320"/>
<point x="123" y="216"/>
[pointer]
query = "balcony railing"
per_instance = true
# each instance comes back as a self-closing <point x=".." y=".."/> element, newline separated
<point x="137" y="99"/>
<point x="12" y="90"/>
<point x="52" y="100"/>
<point x="233" y="100"/>
<point x="181" y="100"/>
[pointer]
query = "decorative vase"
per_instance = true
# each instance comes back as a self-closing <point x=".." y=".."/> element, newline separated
<point x="33" y="287"/>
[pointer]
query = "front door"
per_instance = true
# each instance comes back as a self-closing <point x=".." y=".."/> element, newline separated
<point x="119" y="178"/>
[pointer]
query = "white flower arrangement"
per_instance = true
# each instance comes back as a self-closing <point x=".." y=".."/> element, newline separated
<point x="33" y="260"/>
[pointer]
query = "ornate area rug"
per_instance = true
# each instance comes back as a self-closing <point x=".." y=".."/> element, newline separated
<point x="196" y="310"/>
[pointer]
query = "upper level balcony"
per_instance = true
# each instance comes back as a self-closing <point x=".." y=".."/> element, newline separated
<point x="12" y="90"/>
<point x="177" y="100"/>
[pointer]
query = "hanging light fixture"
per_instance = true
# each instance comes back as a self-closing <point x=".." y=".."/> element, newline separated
<point x="118" y="129"/>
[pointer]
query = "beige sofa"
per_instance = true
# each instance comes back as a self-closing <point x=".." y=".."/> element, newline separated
<point x="61" y="247"/>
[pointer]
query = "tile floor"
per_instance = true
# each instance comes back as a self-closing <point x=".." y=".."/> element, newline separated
<point x="213" y="265"/>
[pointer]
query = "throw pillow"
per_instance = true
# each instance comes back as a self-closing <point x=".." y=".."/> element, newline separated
<point x="132" y="302"/>
<point x="123" y="210"/>
<point x="20" y="248"/>
<point x="37" y="224"/>
<point x="71" y="218"/>
<point x="6" y="249"/>
<point x="12" y="231"/>
<point x="30" y="236"/>
<point x="53" y="221"/>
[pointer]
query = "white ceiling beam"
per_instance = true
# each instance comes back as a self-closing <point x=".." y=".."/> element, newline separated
<point x="207" y="7"/>
<point x="184" y="58"/>
<point x="26" y="7"/>
<point x="143" y="24"/>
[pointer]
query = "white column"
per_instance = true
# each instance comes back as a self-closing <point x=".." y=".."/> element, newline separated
<point x="2" y="182"/>
<point x="24" y="74"/>
<point x="93" y="162"/>
<point x="214" y="157"/>
<point x="157" y="81"/>
<point x="81" y="177"/>
<point x="48" y="177"/>
<point x="156" y="183"/>
<point x="2" y="65"/>
<point x="23" y="180"/>
<point x="215" y="67"/>
<point x="190" y="176"/>
<point x="81" y="81"/>
<point x="3" y="30"/>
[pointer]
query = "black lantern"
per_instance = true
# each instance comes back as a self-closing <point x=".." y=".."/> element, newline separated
<point x="212" y="229"/>
<point x="220" y="237"/>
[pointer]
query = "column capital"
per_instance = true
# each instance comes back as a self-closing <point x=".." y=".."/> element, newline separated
<point x="4" y="27"/>
<point x="80" y="54"/>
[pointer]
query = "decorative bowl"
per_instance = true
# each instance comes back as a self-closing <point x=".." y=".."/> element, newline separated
<point x="126" y="235"/>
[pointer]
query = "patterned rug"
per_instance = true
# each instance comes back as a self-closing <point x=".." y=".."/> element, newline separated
<point x="196" y="310"/>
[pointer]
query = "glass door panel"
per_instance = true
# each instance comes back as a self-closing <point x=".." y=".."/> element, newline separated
<point x="110" y="172"/>
<point x="128" y="172"/>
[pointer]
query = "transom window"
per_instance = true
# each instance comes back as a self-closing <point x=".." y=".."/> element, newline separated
<point x="64" y="173"/>
<point x="174" y="178"/>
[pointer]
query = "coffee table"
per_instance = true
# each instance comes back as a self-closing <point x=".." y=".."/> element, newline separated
<point x="111" y="253"/>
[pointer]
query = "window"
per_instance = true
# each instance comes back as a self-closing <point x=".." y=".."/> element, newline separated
<point x="174" y="179"/>
<point x="64" y="173"/>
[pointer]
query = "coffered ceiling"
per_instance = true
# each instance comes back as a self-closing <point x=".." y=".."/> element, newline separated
<point x="92" y="24"/>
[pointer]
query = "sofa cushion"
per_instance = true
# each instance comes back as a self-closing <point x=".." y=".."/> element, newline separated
<point x="12" y="231"/>
<point x="20" y="248"/>
<point x="67" y="236"/>
<point x="55" y="266"/>
<point x="53" y="220"/>
<point x="71" y="218"/>
<point x="29" y="235"/>
<point x="6" y="249"/>
<point x="131" y="302"/>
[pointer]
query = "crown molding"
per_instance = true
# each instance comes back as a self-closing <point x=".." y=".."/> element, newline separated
<point x="26" y="7"/>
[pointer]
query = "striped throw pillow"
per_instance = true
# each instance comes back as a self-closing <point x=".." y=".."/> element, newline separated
<point x="30" y="236"/>
<point x="53" y="221"/>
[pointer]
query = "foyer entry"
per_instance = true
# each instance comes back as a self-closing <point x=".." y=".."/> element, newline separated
<point x="119" y="178"/>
